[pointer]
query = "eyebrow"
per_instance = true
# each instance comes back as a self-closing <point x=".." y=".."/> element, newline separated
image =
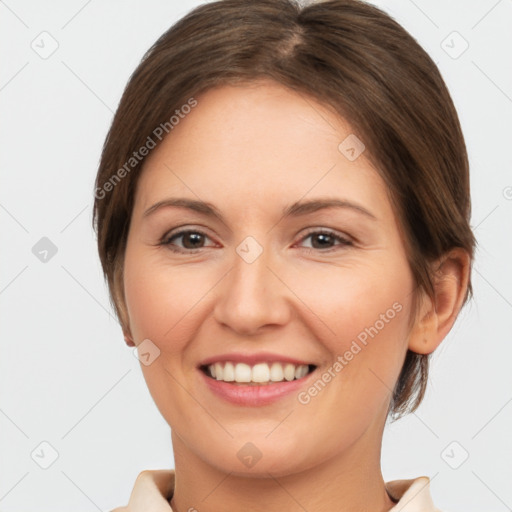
<point x="294" y="210"/>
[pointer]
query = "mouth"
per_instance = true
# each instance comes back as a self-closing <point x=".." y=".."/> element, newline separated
<point x="259" y="374"/>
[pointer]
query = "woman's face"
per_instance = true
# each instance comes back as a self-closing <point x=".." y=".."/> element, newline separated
<point x="272" y="279"/>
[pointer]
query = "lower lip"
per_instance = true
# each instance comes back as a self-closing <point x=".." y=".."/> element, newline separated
<point x="253" y="395"/>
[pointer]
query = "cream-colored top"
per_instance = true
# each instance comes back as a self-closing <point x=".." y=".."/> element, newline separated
<point x="153" y="490"/>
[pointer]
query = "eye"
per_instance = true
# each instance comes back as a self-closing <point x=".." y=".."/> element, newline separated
<point x="192" y="241"/>
<point x="325" y="239"/>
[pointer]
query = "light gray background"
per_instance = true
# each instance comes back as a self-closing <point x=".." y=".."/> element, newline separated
<point x="67" y="377"/>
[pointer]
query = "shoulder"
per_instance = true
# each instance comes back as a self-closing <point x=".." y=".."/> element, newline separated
<point x="143" y="475"/>
<point x="414" y="494"/>
<point x="150" y="487"/>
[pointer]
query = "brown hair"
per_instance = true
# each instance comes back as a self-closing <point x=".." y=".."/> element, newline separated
<point x="351" y="57"/>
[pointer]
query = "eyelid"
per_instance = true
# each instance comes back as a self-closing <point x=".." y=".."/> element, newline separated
<point x="328" y="231"/>
<point x="181" y="231"/>
<point x="344" y="240"/>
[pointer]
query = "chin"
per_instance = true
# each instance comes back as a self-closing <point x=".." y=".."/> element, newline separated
<point x="259" y="459"/>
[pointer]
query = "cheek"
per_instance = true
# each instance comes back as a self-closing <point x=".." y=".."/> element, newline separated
<point x="160" y="299"/>
<point x="366" y="312"/>
<point x="357" y="302"/>
<point x="163" y="303"/>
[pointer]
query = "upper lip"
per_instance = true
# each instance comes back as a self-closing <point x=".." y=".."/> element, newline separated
<point x="252" y="359"/>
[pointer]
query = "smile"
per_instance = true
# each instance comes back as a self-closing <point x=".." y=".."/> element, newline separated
<point x="263" y="373"/>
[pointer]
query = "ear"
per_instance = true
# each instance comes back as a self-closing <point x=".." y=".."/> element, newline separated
<point x="119" y="299"/>
<point x="128" y="339"/>
<point x="125" y="323"/>
<point x="436" y="316"/>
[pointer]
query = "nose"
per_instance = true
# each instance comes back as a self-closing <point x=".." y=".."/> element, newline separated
<point x="252" y="296"/>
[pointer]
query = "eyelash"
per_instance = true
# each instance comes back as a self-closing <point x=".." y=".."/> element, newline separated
<point x="166" y="241"/>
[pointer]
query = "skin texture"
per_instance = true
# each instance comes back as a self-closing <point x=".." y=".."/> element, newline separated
<point x="251" y="151"/>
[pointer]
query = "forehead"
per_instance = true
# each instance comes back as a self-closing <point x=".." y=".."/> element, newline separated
<point x="252" y="145"/>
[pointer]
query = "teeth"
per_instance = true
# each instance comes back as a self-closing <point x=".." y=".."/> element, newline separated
<point x="301" y="371"/>
<point x="276" y="372"/>
<point x="289" y="372"/>
<point x="242" y="373"/>
<point x="229" y="372"/>
<point x="259" y="373"/>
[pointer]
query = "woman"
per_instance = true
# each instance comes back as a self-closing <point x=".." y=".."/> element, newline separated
<point x="282" y="209"/>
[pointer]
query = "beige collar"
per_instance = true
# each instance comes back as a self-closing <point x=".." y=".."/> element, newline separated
<point x="153" y="489"/>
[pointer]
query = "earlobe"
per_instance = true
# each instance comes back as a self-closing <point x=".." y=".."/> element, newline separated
<point x="128" y="340"/>
<point x="437" y="316"/>
<point x="125" y="325"/>
<point x="119" y="300"/>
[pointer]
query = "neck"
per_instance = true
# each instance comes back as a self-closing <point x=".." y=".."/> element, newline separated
<point x="349" y="482"/>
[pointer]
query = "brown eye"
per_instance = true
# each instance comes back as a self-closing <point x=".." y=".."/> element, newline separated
<point x="191" y="241"/>
<point x="325" y="240"/>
